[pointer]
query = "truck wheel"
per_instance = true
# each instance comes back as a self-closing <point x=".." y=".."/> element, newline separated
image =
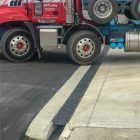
<point x="17" y="45"/>
<point x="83" y="47"/>
<point x="102" y="11"/>
<point x="135" y="9"/>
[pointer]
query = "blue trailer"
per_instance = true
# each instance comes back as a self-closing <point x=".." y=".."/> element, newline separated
<point x="103" y="11"/>
<point x="119" y="35"/>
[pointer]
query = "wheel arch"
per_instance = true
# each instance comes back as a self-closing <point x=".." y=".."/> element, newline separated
<point x="8" y="25"/>
<point x="27" y="25"/>
<point x="82" y="27"/>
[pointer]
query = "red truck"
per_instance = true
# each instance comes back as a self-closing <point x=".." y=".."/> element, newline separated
<point x="29" y="26"/>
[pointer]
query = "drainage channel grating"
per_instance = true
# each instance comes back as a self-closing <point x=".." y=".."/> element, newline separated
<point x="67" y="110"/>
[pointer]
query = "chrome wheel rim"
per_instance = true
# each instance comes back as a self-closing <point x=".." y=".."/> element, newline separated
<point x="85" y="48"/>
<point x="19" y="46"/>
<point x="102" y="8"/>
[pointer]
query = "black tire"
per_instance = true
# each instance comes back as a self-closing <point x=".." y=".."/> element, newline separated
<point x="101" y="18"/>
<point x="128" y="14"/>
<point x="135" y="9"/>
<point x="93" y="43"/>
<point x="10" y="53"/>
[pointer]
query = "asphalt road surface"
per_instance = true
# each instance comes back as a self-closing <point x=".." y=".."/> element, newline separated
<point x="26" y="87"/>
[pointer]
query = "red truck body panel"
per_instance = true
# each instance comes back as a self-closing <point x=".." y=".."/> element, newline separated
<point x="53" y="12"/>
<point x="11" y="14"/>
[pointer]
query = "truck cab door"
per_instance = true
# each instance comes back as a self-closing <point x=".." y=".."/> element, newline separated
<point x="50" y="11"/>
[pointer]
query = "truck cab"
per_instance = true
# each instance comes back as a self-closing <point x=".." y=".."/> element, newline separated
<point x="31" y="26"/>
<point x="36" y="11"/>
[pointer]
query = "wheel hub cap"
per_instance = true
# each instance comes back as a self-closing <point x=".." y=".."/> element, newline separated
<point x="85" y="48"/>
<point x="19" y="46"/>
<point x="102" y="8"/>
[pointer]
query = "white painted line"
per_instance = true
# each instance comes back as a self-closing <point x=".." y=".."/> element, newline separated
<point x="85" y="108"/>
<point x="42" y="126"/>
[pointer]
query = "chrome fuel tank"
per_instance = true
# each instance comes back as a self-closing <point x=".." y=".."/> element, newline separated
<point x="132" y="41"/>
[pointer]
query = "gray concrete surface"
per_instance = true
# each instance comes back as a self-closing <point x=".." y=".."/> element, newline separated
<point x="105" y="134"/>
<point x="110" y="107"/>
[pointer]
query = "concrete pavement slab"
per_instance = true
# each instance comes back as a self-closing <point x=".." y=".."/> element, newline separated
<point x="105" y="134"/>
<point x="118" y="105"/>
<point x="111" y="102"/>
